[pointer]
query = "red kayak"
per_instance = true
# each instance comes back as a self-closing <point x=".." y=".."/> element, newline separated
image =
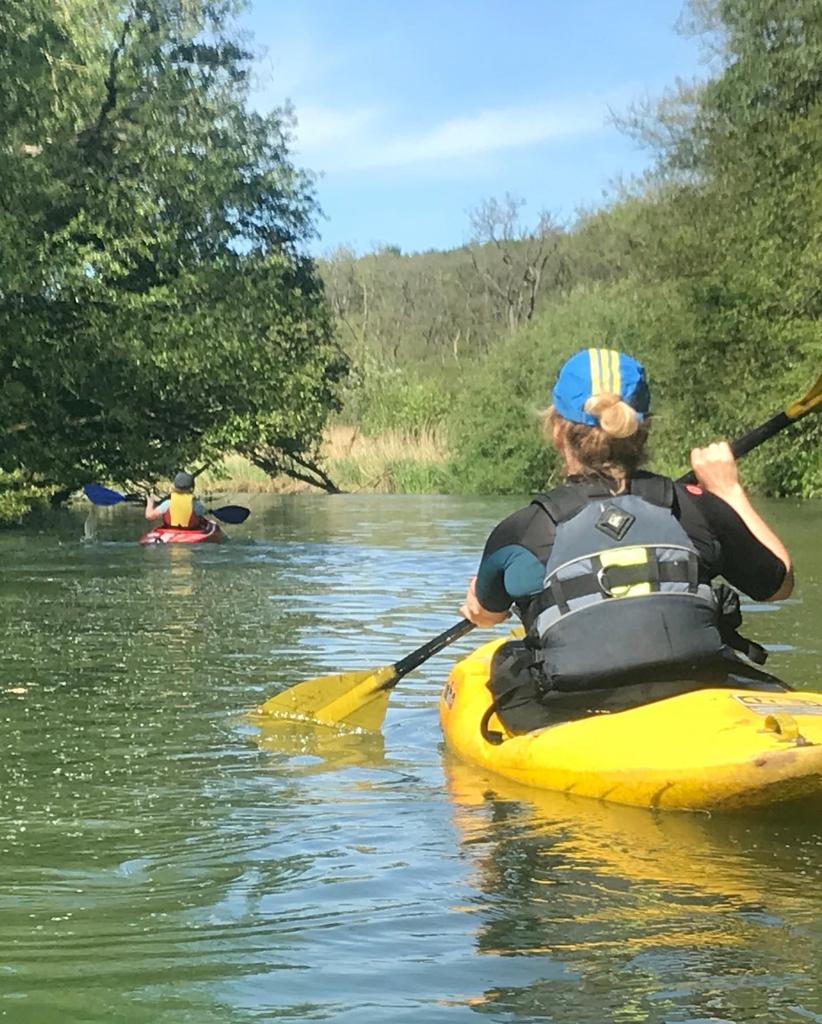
<point x="211" y="534"/>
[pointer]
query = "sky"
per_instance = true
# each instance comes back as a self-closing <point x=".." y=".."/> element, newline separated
<point x="412" y="112"/>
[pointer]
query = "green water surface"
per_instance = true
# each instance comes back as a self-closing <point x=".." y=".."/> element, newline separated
<point x="163" y="862"/>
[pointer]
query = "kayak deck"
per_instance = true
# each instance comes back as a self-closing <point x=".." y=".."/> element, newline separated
<point x="711" y="749"/>
<point x="212" y="534"/>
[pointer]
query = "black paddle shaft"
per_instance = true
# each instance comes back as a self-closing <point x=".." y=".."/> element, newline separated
<point x="747" y="443"/>
<point x="416" y="658"/>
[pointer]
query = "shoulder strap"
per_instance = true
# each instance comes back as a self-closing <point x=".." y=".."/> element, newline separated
<point x="565" y="501"/>
<point x="562" y="502"/>
<point x="658" y="490"/>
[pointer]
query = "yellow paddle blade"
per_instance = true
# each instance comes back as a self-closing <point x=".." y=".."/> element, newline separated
<point x="358" y="699"/>
<point x="809" y="403"/>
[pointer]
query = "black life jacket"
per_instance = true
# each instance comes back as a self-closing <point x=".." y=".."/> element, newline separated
<point x="622" y="597"/>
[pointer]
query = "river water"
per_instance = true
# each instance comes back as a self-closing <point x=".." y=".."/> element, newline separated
<point x="164" y="862"/>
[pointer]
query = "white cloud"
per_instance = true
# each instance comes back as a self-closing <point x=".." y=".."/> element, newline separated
<point x="323" y="129"/>
<point x="339" y="140"/>
<point x="491" y="131"/>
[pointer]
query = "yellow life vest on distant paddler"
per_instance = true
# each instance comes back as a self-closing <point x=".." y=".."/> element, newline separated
<point x="181" y="511"/>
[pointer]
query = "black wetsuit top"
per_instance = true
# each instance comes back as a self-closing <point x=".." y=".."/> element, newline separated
<point x="512" y="569"/>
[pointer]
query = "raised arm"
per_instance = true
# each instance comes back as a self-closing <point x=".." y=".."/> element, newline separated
<point x="152" y="511"/>
<point x="715" y="469"/>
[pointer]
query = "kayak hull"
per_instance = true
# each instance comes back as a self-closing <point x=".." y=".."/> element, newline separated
<point x="711" y="749"/>
<point x="212" y="534"/>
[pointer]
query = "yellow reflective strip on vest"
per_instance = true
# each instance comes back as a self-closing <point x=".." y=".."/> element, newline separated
<point x="180" y="509"/>
<point x="627" y="556"/>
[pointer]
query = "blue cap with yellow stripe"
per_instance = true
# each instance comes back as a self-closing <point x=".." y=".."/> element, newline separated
<point x="596" y="371"/>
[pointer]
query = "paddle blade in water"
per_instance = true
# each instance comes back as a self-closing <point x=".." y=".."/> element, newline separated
<point x="99" y="495"/>
<point x="231" y="514"/>
<point x="358" y="699"/>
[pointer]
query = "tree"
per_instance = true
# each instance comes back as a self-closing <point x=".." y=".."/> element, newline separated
<point x="737" y="221"/>
<point x="512" y="260"/>
<point x="155" y="300"/>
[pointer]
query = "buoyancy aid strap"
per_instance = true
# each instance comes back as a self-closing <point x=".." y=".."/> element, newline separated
<point x="750" y="648"/>
<point x="605" y="579"/>
<point x="730" y="619"/>
<point x="658" y="490"/>
<point x="558" y="595"/>
<point x="693" y="575"/>
<point x="563" y="502"/>
<point x="492" y="736"/>
<point x="516" y="690"/>
<point x="653" y="572"/>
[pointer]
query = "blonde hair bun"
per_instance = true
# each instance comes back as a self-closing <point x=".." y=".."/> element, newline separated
<point x="616" y="418"/>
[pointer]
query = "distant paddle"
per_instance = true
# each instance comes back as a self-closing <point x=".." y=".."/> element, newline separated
<point x="360" y="698"/>
<point x="99" y="495"/>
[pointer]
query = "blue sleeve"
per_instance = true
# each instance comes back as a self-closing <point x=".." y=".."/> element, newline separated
<point x="507" y="574"/>
<point x="163" y="507"/>
<point x="199" y="507"/>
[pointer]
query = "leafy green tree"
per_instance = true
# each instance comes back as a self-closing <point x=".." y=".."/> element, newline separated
<point x="739" y="219"/>
<point x="155" y="301"/>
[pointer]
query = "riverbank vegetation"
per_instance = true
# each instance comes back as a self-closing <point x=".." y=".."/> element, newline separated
<point x="158" y="308"/>
<point x="707" y="269"/>
<point x="391" y="462"/>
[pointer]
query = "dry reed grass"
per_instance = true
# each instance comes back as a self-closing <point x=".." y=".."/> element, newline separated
<point x="346" y="442"/>
<point x="354" y="462"/>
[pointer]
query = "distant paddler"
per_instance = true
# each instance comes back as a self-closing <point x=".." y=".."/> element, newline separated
<point x="181" y="510"/>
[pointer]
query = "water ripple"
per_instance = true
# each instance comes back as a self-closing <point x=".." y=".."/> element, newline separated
<point x="166" y="861"/>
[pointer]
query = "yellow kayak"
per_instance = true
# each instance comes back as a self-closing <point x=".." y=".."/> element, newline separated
<point x="715" y="749"/>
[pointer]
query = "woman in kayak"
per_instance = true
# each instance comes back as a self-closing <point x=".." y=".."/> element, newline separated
<point x="181" y="509"/>
<point x="611" y="572"/>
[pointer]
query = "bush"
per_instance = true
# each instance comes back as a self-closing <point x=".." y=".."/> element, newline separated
<point x="494" y="433"/>
<point x="17" y="498"/>
<point x="383" y="400"/>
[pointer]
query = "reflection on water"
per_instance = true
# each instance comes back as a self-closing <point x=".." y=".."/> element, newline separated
<point x="163" y="859"/>
<point x="658" y="917"/>
<point x="320" y="748"/>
